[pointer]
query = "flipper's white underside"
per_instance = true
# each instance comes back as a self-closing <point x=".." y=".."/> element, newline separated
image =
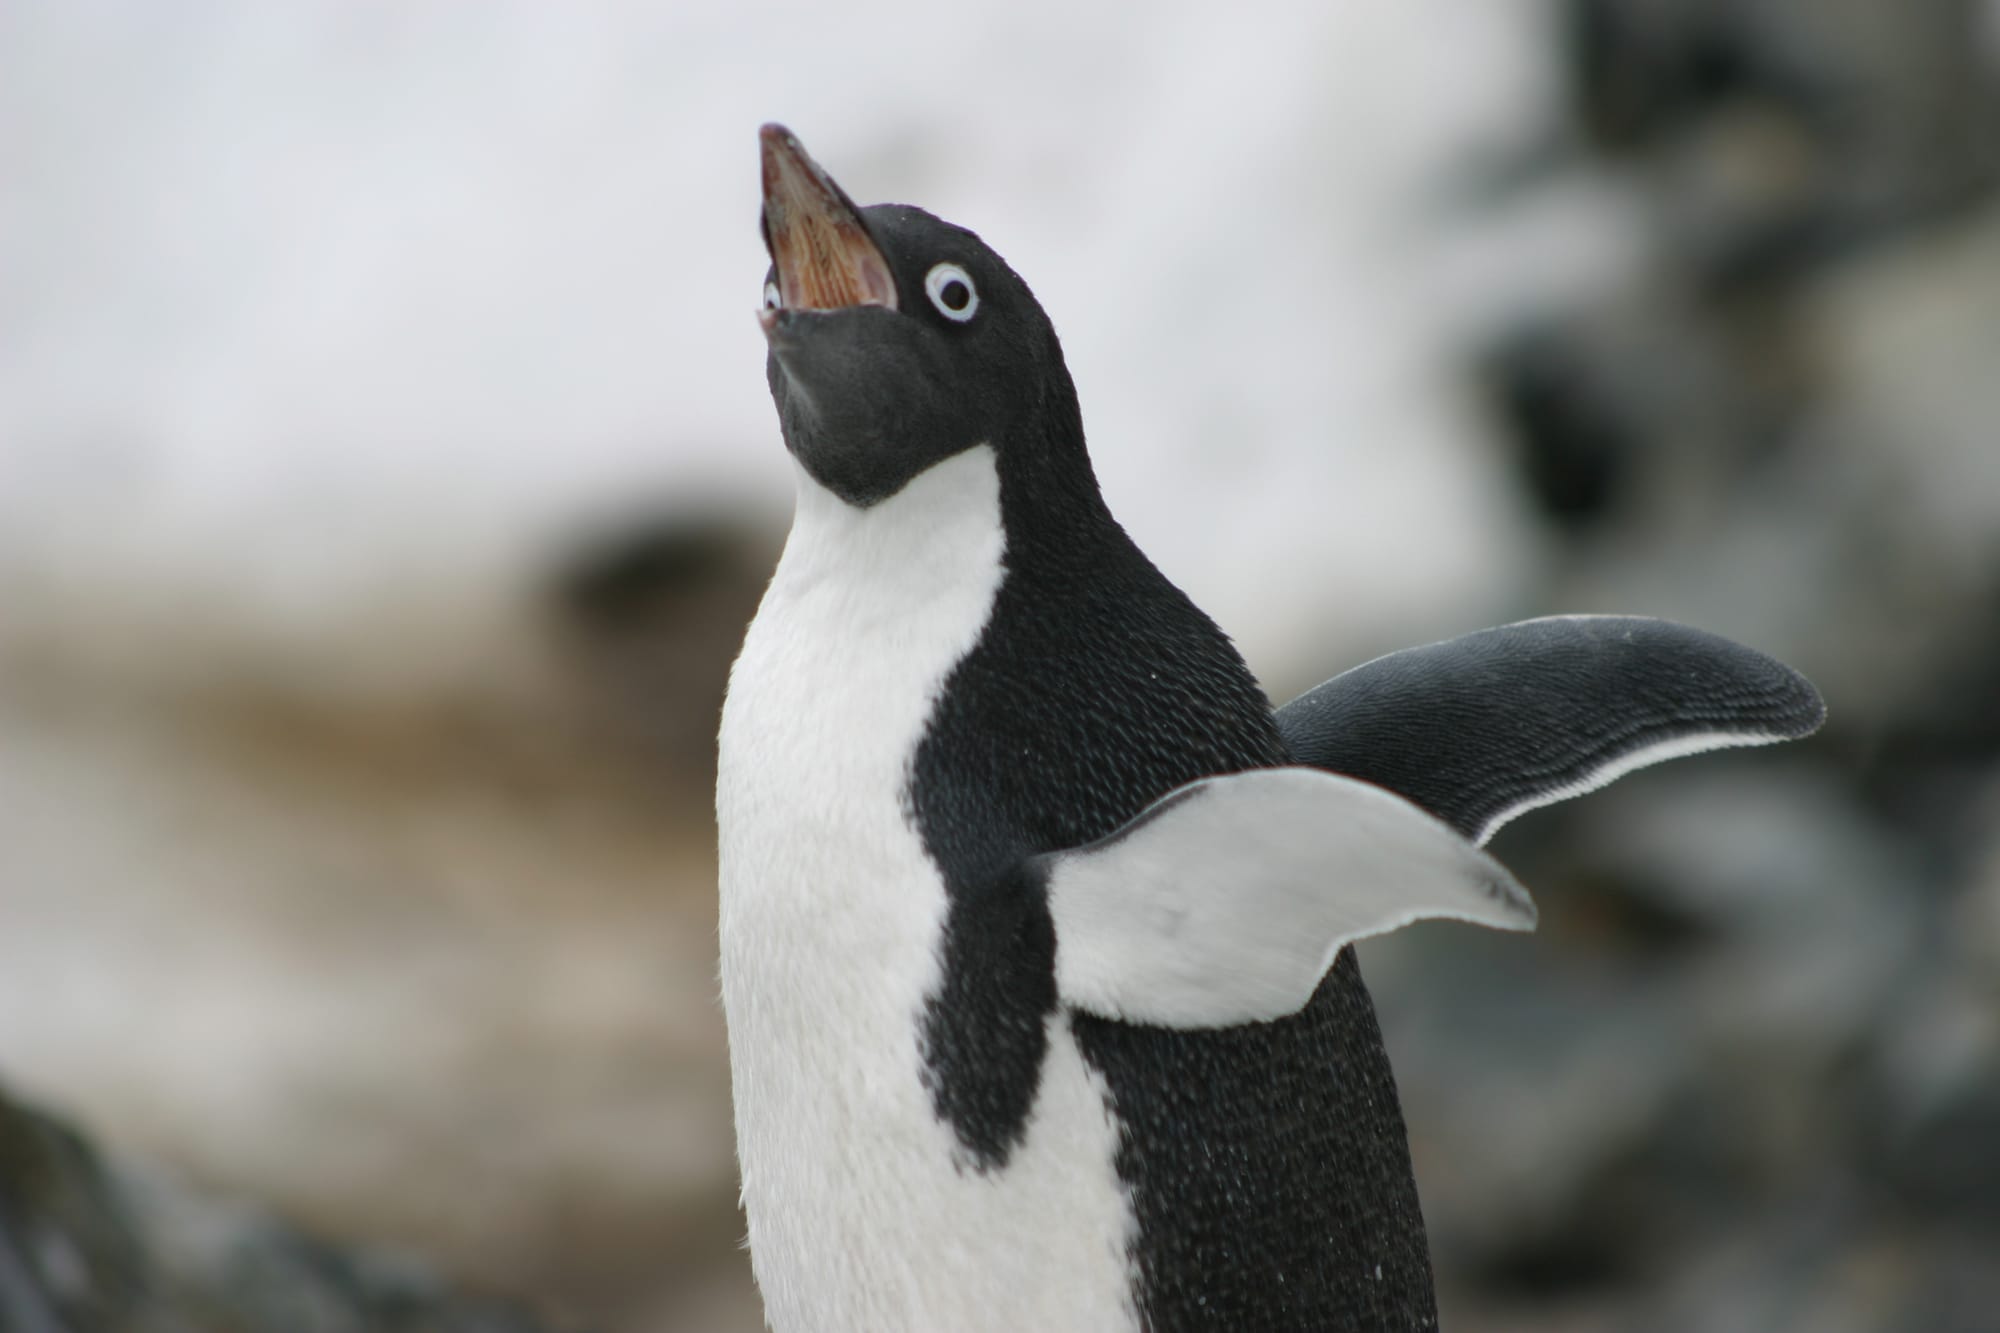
<point x="1226" y="901"/>
<point x="1616" y="767"/>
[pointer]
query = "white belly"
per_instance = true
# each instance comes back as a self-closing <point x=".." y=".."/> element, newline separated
<point x="861" y="1214"/>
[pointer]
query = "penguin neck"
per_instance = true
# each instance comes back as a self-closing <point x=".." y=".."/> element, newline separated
<point x="1050" y="503"/>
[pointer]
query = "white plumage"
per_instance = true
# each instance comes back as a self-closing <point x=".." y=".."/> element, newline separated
<point x="863" y="1214"/>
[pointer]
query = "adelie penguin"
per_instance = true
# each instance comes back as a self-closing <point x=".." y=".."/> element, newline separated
<point x="1035" y="914"/>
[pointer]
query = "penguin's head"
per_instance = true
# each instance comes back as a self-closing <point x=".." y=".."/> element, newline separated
<point x="897" y="340"/>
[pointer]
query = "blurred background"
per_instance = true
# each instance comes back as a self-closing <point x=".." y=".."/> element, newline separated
<point x="386" y="475"/>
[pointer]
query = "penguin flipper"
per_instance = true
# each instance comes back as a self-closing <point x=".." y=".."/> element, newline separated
<point x="1480" y="728"/>
<point x="1226" y="900"/>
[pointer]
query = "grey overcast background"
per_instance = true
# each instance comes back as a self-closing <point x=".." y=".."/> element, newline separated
<point x="386" y="473"/>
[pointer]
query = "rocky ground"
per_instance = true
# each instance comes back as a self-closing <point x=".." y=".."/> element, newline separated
<point x="439" y="984"/>
<point x="89" y="1245"/>
<point x="431" y="976"/>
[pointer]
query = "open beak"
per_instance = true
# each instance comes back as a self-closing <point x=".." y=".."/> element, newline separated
<point x="825" y="257"/>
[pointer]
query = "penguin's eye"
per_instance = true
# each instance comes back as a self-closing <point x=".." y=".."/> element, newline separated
<point x="772" y="300"/>
<point x="951" y="291"/>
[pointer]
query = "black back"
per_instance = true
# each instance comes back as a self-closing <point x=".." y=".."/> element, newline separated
<point x="1268" y="1163"/>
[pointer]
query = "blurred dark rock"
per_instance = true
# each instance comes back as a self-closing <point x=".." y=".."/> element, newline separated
<point x="87" y="1246"/>
<point x="1599" y="404"/>
<point x="1577" y="441"/>
<point x="652" y="616"/>
<point x="1781" y="134"/>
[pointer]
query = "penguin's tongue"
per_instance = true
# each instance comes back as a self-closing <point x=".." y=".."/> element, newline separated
<point x="824" y="255"/>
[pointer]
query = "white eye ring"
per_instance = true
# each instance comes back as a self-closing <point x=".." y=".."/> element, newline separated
<point x="772" y="299"/>
<point x="939" y="285"/>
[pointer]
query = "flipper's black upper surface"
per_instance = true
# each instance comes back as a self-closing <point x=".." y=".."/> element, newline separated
<point x="1479" y="728"/>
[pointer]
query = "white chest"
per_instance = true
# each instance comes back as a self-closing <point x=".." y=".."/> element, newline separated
<point x="831" y="917"/>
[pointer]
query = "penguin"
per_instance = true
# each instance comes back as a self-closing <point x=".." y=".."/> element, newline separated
<point x="1035" y="915"/>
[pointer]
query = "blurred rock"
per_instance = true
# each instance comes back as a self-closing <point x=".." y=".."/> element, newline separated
<point x="651" y="617"/>
<point x="1780" y="134"/>
<point x="90" y="1247"/>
